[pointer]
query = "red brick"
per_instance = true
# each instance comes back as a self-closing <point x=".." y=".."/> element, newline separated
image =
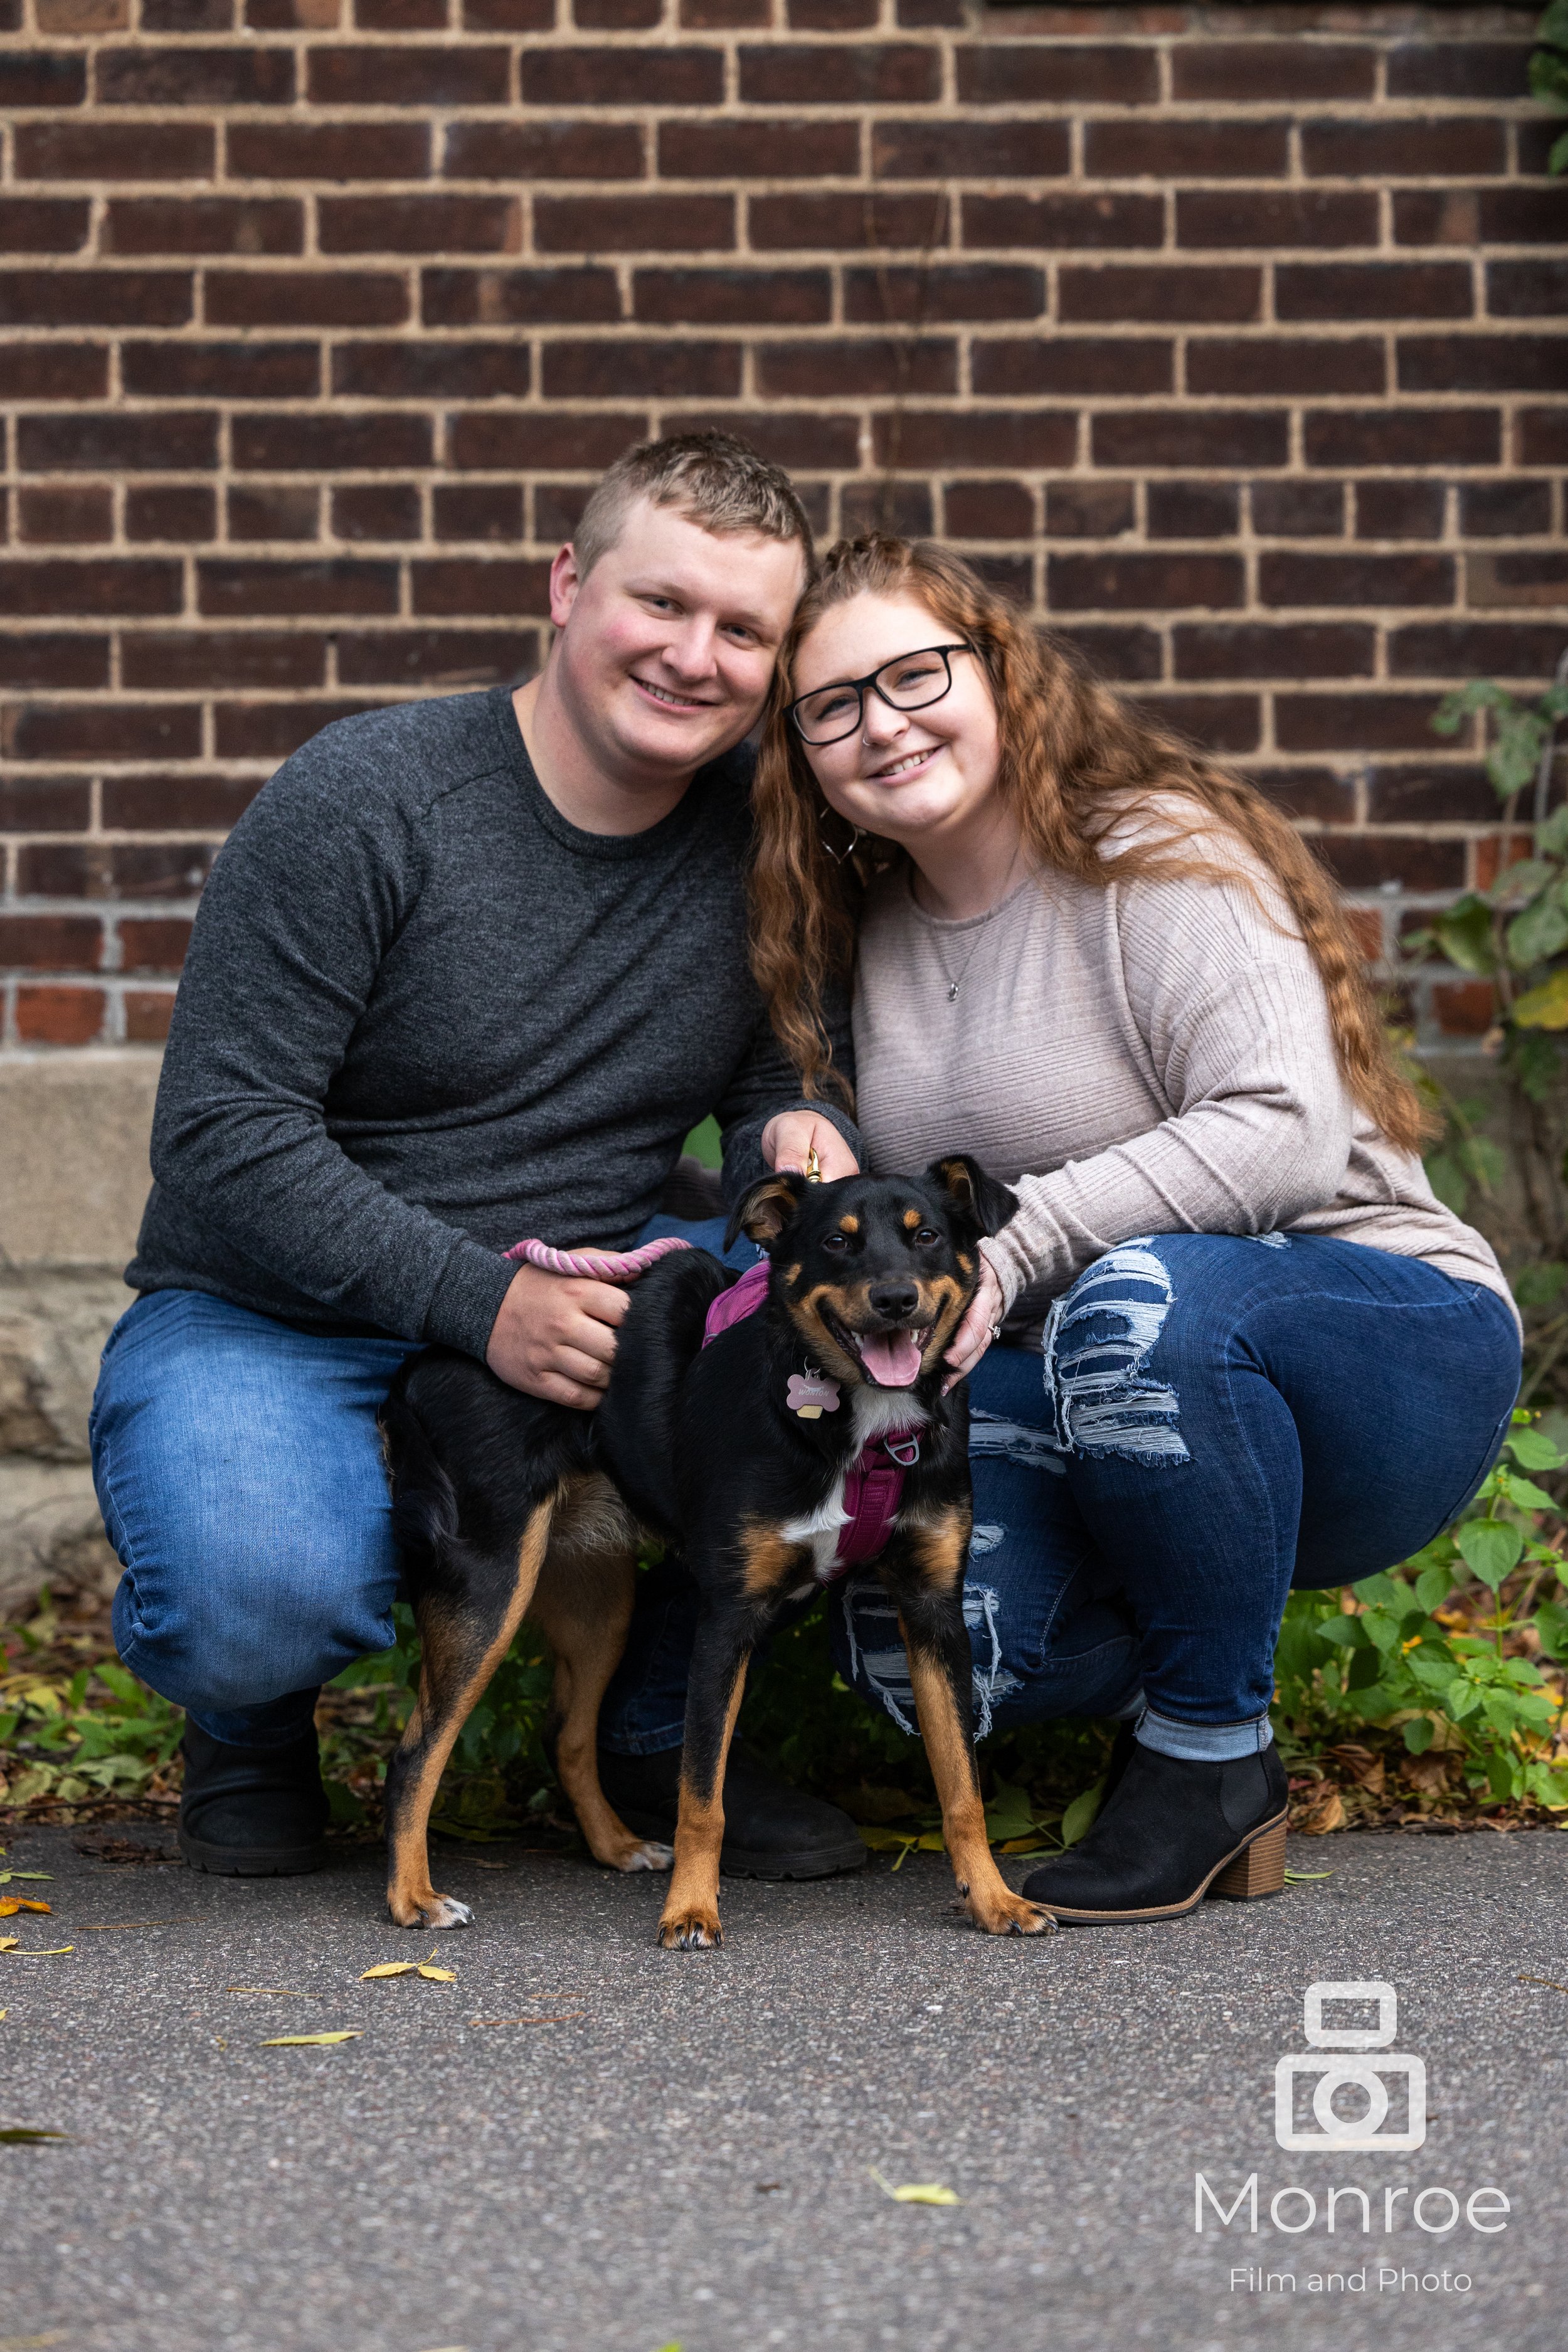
<point x="376" y="510"/>
<point x="1511" y="509"/>
<point x="1459" y="68"/>
<point x="1090" y="510"/>
<point x="1027" y="150"/>
<point x="446" y="74"/>
<point x="849" y="222"/>
<point x="291" y="444"/>
<point x="1355" y="722"/>
<point x="616" y="15"/>
<point x="989" y="510"/>
<point x="1366" y="861"/>
<point x="384" y="224"/>
<point x="518" y="298"/>
<point x="1072" y="363"/>
<point x="491" y="443"/>
<point x="51" y="943"/>
<point x="711" y="16"/>
<point x="39" y="78"/>
<point x="1226" y="649"/>
<point x="994" y="73"/>
<point x="1287" y="578"/>
<point x="114" y="151"/>
<point x="167" y="803"/>
<point x="1185" y="151"/>
<point x="1115" y="649"/>
<point x="178" y="510"/>
<point x="157" y="224"/>
<point x="89" y="441"/>
<point x="110" y="584"/>
<point x="1193" y="510"/>
<point x="183" y="75"/>
<point x="1204" y="436"/>
<point x="437" y="657"/>
<point x="601" y="224"/>
<point x="547" y="151"/>
<point x="53" y="370"/>
<point x="648" y="368"/>
<point x="1285" y="366"/>
<point x="153" y="944"/>
<point x="1465" y="1008"/>
<point x="185" y="371"/>
<point x="1142" y="582"/>
<point x="978" y="437"/>
<point x="169" y="869"/>
<point x="307" y="297"/>
<point x="1543" y="436"/>
<point x="476" y="511"/>
<point x="1535" y="288"/>
<point x="1400" y="510"/>
<point x="331" y="584"/>
<point x="1373" y="290"/>
<point x="1482" y="362"/>
<point x="95" y="297"/>
<point x="1442" y="794"/>
<point x="328" y="151"/>
<point x="1402" y="437"/>
<point x="1276" y="216"/>
<point x="828" y="16"/>
<point x="59" y="1016"/>
<point x="884" y="74"/>
<point x="42" y="224"/>
<point x="1320" y="793"/>
<point x="1470" y="216"/>
<point x="1228" y="724"/>
<point x="1246" y="71"/>
<point x="855" y="368"/>
<point x="640" y="76"/>
<point x="62" y="516"/>
<point x="187" y="15"/>
<point x="918" y="13"/>
<point x="45" y="803"/>
<point x="53" y="657"/>
<point x="889" y="503"/>
<point x="1116" y="292"/>
<point x="271" y="510"/>
<point x="489" y="589"/>
<point x="558" y="508"/>
<point x="801" y="440"/>
<point x="1299" y="510"/>
<point x="508" y="16"/>
<point x="148" y="1013"/>
<point x="943" y="294"/>
<point x="400" y="16"/>
<point x="1475" y="649"/>
<point x="193" y="660"/>
<point x="271" y="730"/>
<point x="1449" y="147"/>
<point x="428" y="369"/>
<point x="1536" y="577"/>
<point x="103" y="730"/>
<point x="750" y="150"/>
<point x="775" y="298"/>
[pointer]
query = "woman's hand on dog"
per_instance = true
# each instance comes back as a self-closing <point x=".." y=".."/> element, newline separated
<point x="792" y="1134"/>
<point x="555" y="1337"/>
<point x="979" y="1327"/>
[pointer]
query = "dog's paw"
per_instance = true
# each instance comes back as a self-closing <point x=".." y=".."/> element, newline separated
<point x="690" y="1931"/>
<point x="1006" y="1914"/>
<point x="430" y="1910"/>
<point x="648" y="1854"/>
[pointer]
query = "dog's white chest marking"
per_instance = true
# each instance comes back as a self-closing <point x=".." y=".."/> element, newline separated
<point x="820" y="1530"/>
<point x="873" y="1411"/>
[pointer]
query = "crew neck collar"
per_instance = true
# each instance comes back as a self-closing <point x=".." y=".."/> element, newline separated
<point x="962" y="922"/>
<point x="613" y="847"/>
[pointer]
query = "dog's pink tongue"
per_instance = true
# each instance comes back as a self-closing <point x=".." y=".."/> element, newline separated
<point x="892" y="1358"/>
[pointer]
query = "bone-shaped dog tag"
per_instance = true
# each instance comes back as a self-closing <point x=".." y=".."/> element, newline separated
<point x="811" y="1394"/>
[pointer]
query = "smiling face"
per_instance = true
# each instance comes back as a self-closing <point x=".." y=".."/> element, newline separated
<point x="911" y="776"/>
<point x="667" y="647"/>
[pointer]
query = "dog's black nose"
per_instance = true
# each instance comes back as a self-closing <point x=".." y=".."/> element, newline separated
<point x="893" y="1300"/>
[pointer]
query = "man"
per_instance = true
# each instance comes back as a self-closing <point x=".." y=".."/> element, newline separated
<point x="465" y="970"/>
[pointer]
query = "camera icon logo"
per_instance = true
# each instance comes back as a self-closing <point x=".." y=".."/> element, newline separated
<point x="1373" y="2084"/>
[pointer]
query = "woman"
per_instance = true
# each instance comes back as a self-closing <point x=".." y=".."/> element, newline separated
<point x="1118" y="976"/>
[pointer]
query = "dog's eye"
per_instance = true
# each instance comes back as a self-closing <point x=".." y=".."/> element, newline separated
<point x="926" y="1237"/>
<point x="835" y="1242"/>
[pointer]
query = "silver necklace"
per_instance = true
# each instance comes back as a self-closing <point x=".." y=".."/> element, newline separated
<point x="980" y="929"/>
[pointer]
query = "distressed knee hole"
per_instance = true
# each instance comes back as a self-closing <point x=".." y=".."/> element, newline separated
<point x="879" y="1665"/>
<point x="1097" y="1342"/>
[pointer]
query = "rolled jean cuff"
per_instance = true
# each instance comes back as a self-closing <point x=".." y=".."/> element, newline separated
<point x="274" y="1724"/>
<point x="1204" y="1743"/>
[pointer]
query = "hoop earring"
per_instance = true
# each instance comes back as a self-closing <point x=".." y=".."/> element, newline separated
<point x="839" y="857"/>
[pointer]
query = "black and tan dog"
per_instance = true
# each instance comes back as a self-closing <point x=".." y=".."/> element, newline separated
<point x="739" y="1451"/>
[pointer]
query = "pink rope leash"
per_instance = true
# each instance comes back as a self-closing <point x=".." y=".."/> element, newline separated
<point x="598" y="1265"/>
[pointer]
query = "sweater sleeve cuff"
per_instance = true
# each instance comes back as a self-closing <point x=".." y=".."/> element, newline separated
<point x="1008" y="1263"/>
<point x="467" y="1299"/>
<point x="743" y="1163"/>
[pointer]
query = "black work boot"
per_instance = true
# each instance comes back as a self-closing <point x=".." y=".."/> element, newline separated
<point x="1169" y="1833"/>
<point x="771" y="1831"/>
<point x="252" y="1812"/>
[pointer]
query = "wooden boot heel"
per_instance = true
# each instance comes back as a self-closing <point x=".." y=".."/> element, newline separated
<point x="1258" y="1870"/>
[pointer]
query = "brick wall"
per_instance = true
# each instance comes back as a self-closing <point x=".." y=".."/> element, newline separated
<point x="1228" y="338"/>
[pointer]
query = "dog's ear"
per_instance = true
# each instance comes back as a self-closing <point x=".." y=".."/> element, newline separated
<point x="983" y="1200"/>
<point x="767" y="1208"/>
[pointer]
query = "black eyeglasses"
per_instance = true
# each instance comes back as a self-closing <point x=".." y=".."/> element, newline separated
<point x="908" y="684"/>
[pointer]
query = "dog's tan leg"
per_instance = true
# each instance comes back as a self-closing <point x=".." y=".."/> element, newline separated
<point x="463" y="1641"/>
<point x="989" y="1901"/>
<point x="691" y="1917"/>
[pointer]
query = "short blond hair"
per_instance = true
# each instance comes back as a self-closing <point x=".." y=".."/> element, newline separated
<point x="715" y="479"/>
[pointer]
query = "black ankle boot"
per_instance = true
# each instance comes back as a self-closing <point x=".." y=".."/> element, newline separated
<point x="771" y="1831"/>
<point x="252" y="1812"/>
<point x="1169" y="1833"/>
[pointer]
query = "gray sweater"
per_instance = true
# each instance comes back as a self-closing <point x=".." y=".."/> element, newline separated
<point x="424" y="1016"/>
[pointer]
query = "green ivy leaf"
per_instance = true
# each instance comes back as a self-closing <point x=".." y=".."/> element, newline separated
<point x="1525" y="1493"/>
<point x="1536" y="934"/>
<point x="1545" y="1007"/>
<point x="1531" y="1448"/>
<point x="1418" y="1735"/>
<point x="1551" y="1623"/>
<point x="1492" y="1549"/>
<point x="1434" y="1585"/>
<point x="1465" y="934"/>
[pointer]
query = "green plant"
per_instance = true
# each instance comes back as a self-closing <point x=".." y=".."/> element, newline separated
<point x="1549" y="74"/>
<point x="70" y="1733"/>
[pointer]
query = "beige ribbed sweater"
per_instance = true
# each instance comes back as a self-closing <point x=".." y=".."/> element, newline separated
<point x="1151" y="1057"/>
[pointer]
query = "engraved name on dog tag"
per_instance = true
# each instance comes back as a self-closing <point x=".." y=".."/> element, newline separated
<point x="811" y="1394"/>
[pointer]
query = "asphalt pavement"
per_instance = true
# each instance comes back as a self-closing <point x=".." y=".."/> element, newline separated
<point x="586" y="2142"/>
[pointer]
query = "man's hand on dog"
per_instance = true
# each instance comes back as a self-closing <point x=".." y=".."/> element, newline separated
<point x="792" y="1134"/>
<point x="555" y="1337"/>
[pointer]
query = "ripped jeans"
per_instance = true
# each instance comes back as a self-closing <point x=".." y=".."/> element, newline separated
<point x="1215" y="1419"/>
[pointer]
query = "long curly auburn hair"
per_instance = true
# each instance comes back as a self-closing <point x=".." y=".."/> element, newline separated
<point x="1077" y="759"/>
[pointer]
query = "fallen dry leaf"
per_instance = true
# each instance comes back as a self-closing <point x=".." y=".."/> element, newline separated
<point x="311" y="2040"/>
<point x="22" y="2136"/>
<point x="1550" y="1982"/>
<point x="112" y="1926"/>
<point x="1324" y="1813"/>
<point x="388" y="1968"/>
<point x="438" y="1976"/>
<point x="284" y="1992"/>
<point x="572" y="2017"/>
<point x="915" y="2192"/>
<point x="49" y="1952"/>
<point x="11" y="1904"/>
<point x="9" y="1943"/>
